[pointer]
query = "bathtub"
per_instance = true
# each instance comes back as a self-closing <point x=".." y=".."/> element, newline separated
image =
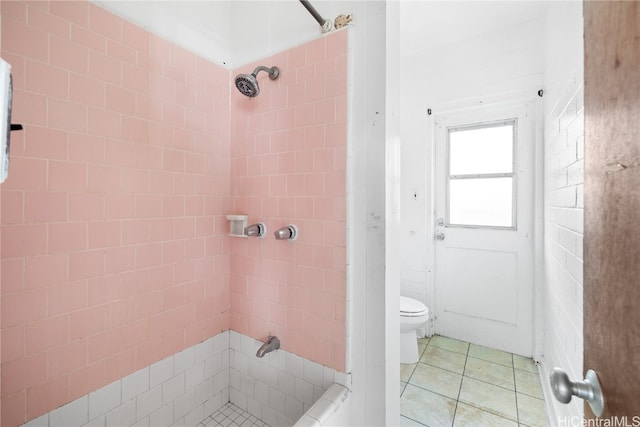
<point x="281" y="389"/>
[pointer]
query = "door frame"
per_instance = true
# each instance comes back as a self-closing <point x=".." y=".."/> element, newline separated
<point x="512" y="99"/>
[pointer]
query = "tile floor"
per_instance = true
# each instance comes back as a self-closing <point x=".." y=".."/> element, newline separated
<point x="231" y="416"/>
<point x="460" y="384"/>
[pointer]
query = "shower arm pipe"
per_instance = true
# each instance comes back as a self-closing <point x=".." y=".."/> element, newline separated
<point x="325" y="24"/>
<point x="269" y="71"/>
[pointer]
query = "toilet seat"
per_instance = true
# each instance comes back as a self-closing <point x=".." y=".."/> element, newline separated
<point x="410" y="307"/>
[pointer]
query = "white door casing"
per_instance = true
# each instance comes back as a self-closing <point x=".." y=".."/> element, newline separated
<point x="484" y="273"/>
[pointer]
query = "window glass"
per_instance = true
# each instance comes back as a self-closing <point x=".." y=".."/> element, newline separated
<point x="481" y="150"/>
<point x="482" y="201"/>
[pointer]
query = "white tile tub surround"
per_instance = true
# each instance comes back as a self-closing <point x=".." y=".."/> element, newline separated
<point x="187" y="387"/>
<point x="182" y="389"/>
<point x="279" y="387"/>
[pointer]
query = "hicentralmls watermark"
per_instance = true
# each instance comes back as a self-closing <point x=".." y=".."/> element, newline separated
<point x="623" y="421"/>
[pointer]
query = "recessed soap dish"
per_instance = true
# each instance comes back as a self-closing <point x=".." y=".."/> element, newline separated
<point x="237" y="223"/>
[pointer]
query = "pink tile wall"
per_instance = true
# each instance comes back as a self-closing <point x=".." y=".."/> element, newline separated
<point x="114" y="247"/>
<point x="288" y="148"/>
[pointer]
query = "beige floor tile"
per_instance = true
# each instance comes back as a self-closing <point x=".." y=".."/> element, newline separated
<point x="437" y="380"/>
<point x="467" y="415"/>
<point x="402" y="386"/>
<point x="531" y="411"/>
<point x="444" y="359"/>
<point x="408" y="422"/>
<point x="406" y="370"/>
<point x="491" y="398"/>
<point x="427" y="407"/>
<point x="449" y="344"/>
<point x="489" y="372"/>
<point x="524" y="364"/>
<point x="491" y="355"/>
<point x="528" y="383"/>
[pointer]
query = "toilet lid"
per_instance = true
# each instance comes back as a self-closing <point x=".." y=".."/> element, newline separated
<point x="411" y="307"/>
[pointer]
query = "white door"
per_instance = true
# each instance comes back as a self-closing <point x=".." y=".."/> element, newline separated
<point x="483" y="231"/>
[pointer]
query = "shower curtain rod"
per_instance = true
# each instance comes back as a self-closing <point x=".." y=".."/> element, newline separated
<point x="325" y="24"/>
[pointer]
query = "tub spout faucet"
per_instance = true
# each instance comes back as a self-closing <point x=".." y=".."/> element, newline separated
<point x="272" y="343"/>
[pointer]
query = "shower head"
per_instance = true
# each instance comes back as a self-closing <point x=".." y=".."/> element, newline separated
<point x="247" y="84"/>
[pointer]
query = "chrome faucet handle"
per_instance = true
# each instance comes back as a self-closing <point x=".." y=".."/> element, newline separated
<point x="257" y="230"/>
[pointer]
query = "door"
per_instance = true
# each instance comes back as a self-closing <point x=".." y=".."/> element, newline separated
<point x="612" y="204"/>
<point x="483" y="231"/>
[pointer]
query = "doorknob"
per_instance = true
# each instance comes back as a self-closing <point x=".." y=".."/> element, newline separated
<point x="589" y="389"/>
<point x="439" y="236"/>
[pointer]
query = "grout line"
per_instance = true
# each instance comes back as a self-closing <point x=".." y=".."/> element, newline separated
<point x="464" y="369"/>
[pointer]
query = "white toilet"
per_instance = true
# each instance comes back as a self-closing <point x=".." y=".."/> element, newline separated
<point x="413" y="314"/>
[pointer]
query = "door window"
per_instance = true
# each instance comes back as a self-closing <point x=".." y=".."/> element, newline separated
<point x="481" y="175"/>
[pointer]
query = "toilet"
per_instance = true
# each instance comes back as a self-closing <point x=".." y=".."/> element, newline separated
<point x="413" y="314"/>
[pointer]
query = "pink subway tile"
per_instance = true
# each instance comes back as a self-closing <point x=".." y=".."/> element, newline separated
<point x="104" y="123"/>
<point x="12" y="275"/>
<point x="315" y="90"/>
<point x="335" y="184"/>
<point x="316" y="50"/>
<point x="176" y="74"/>
<point x="304" y="161"/>
<point x="148" y="255"/>
<point x="23" y="307"/>
<point x="323" y="160"/>
<point x="12" y="207"/>
<point x="120" y="259"/>
<point x="86" y="90"/>
<point x="103" y="179"/>
<point x="135" y="78"/>
<point x="87" y="38"/>
<point x="135" y="232"/>
<point x="22" y="374"/>
<point x="119" y="206"/>
<point x="325" y="111"/>
<point x="52" y="394"/>
<point x="45" y="271"/>
<point x="173" y="160"/>
<point x="24" y="240"/>
<point x="47" y="333"/>
<point x="295" y="185"/>
<point x="68" y="55"/>
<point x="67" y="237"/>
<point x="161" y="87"/>
<point x="67" y="176"/>
<point x="104" y="234"/>
<point x="121" y="153"/>
<point x="336" y="85"/>
<point x="67" y="358"/>
<point x="44" y="21"/>
<point x="160" y="230"/>
<point x="66" y="115"/>
<point x="119" y="365"/>
<point x="46" y="143"/>
<point x="305" y="115"/>
<point x="327" y="66"/>
<point x="29" y="109"/>
<point x="46" y="79"/>
<point x="103" y="345"/>
<point x="75" y="12"/>
<point x="105" y="23"/>
<point x="147" y="156"/>
<point x="14" y="343"/>
<point x="14" y="407"/>
<point x="86" y="206"/>
<point x="86" y="379"/>
<point x="120" y="100"/>
<point x="87" y="322"/>
<point x="25" y="40"/>
<point x="148" y="205"/>
<point x="119" y="51"/>
<point x="135" y="37"/>
<point x="15" y="10"/>
<point x="105" y="68"/>
<point x="135" y="130"/>
<point x="68" y="297"/>
<point x="174" y="115"/>
<point x="314" y="185"/>
<point x="84" y="265"/>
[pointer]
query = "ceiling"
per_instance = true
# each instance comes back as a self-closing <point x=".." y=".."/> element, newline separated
<point x="232" y="33"/>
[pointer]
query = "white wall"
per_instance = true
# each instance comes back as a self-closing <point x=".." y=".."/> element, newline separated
<point x="564" y="202"/>
<point x="505" y="64"/>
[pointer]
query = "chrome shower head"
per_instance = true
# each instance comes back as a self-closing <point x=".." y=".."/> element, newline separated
<point x="247" y="84"/>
